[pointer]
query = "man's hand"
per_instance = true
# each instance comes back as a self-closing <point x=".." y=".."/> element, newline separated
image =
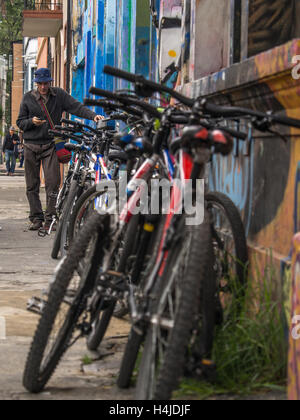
<point x="37" y="121"/>
<point x="98" y="118"/>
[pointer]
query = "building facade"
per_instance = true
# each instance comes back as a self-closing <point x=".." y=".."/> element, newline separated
<point x="29" y="59"/>
<point x="3" y="70"/>
<point x="17" y="80"/>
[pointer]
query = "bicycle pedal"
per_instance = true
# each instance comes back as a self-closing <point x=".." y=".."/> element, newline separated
<point x="42" y="233"/>
<point x="36" y="305"/>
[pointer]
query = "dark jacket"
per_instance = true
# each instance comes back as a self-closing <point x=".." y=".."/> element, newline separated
<point x="59" y="102"/>
<point x="8" y="142"/>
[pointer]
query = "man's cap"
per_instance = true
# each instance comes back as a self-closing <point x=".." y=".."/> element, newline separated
<point x="12" y="129"/>
<point x="42" y="76"/>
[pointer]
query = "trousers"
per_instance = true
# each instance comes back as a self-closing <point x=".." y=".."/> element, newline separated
<point x="35" y="155"/>
<point x="10" y="160"/>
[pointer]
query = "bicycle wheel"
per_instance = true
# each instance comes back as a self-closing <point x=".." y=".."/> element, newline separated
<point x="231" y="252"/>
<point x="103" y="316"/>
<point x="66" y="304"/>
<point x="137" y="335"/>
<point x="56" y="243"/>
<point x="176" y="312"/>
<point x="66" y="209"/>
<point x="75" y="192"/>
<point x="83" y="208"/>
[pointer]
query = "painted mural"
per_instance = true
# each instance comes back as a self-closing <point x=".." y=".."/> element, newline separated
<point x="114" y="32"/>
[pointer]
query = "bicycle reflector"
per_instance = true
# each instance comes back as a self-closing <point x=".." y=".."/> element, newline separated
<point x="202" y="134"/>
<point x="222" y="141"/>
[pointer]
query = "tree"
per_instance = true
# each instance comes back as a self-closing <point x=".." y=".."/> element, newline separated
<point x="10" y="24"/>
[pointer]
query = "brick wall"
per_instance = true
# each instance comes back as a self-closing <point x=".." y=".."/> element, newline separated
<point x="17" y="82"/>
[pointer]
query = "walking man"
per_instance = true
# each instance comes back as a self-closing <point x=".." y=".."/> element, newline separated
<point x="9" y="146"/>
<point x="40" y="109"/>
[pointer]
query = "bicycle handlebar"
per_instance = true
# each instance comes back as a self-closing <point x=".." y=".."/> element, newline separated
<point x="140" y="81"/>
<point x="126" y="100"/>
<point x="234" y="111"/>
<point x="113" y="106"/>
<point x="72" y="130"/>
<point x="78" y="124"/>
<point x="56" y="133"/>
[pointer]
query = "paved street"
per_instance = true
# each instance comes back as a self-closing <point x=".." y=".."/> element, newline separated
<point x="25" y="270"/>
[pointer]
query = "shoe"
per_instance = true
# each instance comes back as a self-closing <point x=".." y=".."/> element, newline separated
<point x="7" y="173"/>
<point x="36" y="225"/>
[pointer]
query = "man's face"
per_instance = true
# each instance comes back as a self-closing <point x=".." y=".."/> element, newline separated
<point x="11" y="133"/>
<point x="43" y="88"/>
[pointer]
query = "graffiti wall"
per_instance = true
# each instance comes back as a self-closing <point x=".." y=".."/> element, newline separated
<point x="262" y="175"/>
<point x="114" y="32"/>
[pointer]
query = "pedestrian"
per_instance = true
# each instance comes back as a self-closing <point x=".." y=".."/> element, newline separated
<point x="9" y="150"/>
<point x="40" y="109"/>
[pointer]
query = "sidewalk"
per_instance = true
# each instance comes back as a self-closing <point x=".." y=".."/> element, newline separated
<point x="25" y="270"/>
<point x="18" y="171"/>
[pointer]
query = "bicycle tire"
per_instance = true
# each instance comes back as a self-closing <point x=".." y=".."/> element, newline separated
<point x="75" y="192"/>
<point x="240" y="259"/>
<point x="56" y="243"/>
<point x="136" y="339"/>
<point x="56" y="248"/>
<point x="37" y="372"/>
<point x="85" y="197"/>
<point x="195" y="256"/>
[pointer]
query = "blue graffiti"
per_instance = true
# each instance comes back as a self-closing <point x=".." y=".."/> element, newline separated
<point x="233" y="176"/>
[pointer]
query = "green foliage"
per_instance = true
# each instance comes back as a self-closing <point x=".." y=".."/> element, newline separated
<point x="10" y="31"/>
<point x="10" y="24"/>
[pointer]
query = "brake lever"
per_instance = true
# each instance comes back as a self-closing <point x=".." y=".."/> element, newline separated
<point x="264" y="125"/>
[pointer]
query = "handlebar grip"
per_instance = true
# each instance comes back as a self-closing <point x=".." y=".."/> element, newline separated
<point x="228" y="111"/>
<point x="224" y="111"/>
<point x="155" y="87"/>
<point x="101" y="92"/>
<point x="113" y="71"/>
<point x="179" y="119"/>
<point x="56" y="133"/>
<point x="234" y="133"/>
<point x="91" y="102"/>
<point x="65" y="121"/>
<point x="121" y="117"/>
